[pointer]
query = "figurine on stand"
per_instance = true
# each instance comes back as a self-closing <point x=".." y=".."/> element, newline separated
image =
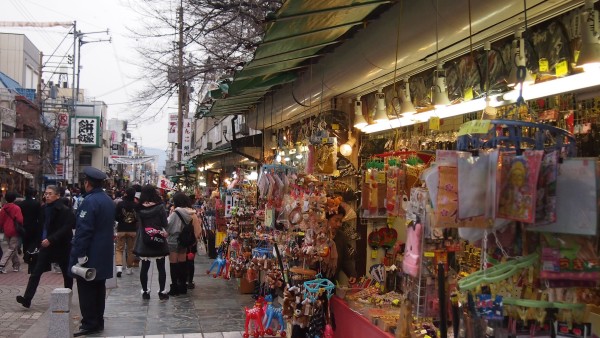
<point x="256" y="314"/>
<point x="220" y="263"/>
<point x="273" y="312"/>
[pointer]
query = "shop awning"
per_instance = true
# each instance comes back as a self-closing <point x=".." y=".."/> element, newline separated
<point x="249" y="147"/>
<point x="22" y="172"/>
<point x="301" y="31"/>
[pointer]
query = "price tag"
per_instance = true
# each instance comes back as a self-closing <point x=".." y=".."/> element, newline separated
<point x="474" y="127"/>
<point x="380" y="178"/>
<point x="373" y="254"/>
<point x="325" y="140"/>
<point x="468" y="94"/>
<point x="543" y="65"/>
<point x="434" y="123"/>
<point x="429" y="254"/>
<point x="562" y="68"/>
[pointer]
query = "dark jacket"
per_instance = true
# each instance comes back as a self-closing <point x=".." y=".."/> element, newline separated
<point x="60" y="228"/>
<point x="31" y="210"/>
<point x="155" y="216"/>
<point x="346" y="261"/>
<point x="94" y="234"/>
<point x="126" y="209"/>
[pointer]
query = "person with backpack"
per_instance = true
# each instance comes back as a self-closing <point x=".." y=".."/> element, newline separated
<point x="184" y="230"/>
<point x="126" y="218"/>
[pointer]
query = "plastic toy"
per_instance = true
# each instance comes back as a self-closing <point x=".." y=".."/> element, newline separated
<point x="273" y="312"/>
<point x="256" y="314"/>
<point x="221" y="264"/>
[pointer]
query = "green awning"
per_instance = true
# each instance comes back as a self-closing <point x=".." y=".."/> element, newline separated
<point x="299" y="33"/>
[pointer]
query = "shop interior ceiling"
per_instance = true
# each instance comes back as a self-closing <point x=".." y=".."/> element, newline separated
<point x="360" y="65"/>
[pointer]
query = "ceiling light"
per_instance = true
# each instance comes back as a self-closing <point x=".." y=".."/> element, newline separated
<point x="253" y="176"/>
<point x="440" y="95"/>
<point x="346" y="148"/>
<point x="380" y="112"/>
<point x="406" y="107"/>
<point x="589" y="55"/>
<point x="520" y="62"/>
<point x="359" y="118"/>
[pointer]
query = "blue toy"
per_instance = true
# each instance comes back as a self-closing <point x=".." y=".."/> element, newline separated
<point x="273" y="312"/>
<point x="221" y="264"/>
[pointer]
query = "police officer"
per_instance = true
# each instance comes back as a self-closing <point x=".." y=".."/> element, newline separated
<point x="92" y="247"/>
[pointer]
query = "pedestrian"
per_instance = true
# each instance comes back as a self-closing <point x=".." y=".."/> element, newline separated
<point x="126" y="217"/>
<point x="93" y="247"/>
<point x="182" y="214"/>
<point x="57" y="223"/>
<point x="31" y="209"/>
<point x="152" y="217"/>
<point x="10" y="214"/>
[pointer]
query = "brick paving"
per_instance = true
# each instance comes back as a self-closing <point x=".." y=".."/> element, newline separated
<point x="214" y="309"/>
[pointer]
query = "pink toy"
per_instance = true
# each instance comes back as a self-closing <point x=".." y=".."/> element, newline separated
<point x="412" y="253"/>
<point x="256" y="313"/>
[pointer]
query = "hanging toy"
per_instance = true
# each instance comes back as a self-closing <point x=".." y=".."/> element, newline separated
<point x="273" y="312"/>
<point x="256" y="314"/>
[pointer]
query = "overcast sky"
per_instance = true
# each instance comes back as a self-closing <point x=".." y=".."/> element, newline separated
<point x="107" y="72"/>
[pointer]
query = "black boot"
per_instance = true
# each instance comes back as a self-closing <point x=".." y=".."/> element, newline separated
<point x="190" y="273"/>
<point x="174" y="289"/>
<point x="182" y="281"/>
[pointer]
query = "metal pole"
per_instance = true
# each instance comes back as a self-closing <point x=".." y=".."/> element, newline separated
<point x="73" y="95"/>
<point x="43" y="148"/>
<point x="180" y="86"/>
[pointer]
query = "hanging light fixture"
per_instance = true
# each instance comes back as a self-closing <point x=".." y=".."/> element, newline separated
<point x="380" y="111"/>
<point x="406" y="107"/>
<point x="359" y="118"/>
<point x="299" y="151"/>
<point x="440" y="94"/>
<point x="520" y="62"/>
<point x="346" y="148"/>
<point x="589" y="55"/>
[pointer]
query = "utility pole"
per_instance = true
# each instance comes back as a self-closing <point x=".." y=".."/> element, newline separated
<point x="43" y="147"/>
<point x="180" y="85"/>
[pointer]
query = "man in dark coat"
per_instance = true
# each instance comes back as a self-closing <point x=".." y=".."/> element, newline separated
<point x="57" y="223"/>
<point x="93" y="247"/>
<point x="32" y="212"/>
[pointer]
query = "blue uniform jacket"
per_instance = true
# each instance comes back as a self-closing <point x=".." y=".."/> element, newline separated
<point x="94" y="234"/>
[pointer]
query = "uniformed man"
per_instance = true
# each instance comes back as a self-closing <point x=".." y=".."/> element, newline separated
<point x="92" y="247"/>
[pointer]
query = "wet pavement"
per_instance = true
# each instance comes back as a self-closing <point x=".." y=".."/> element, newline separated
<point x="214" y="309"/>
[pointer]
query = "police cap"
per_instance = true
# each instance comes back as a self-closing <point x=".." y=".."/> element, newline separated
<point x="94" y="174"/>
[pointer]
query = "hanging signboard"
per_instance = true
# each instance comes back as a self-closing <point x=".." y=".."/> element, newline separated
<point x="122" y="159"/>
<point x="56" y="150"/>
<point x="164" y="183"/>
<point x="187" y="139"/>
<point x="172" y="136"/>
<point x="85" y="131"/>
<point x="34" y="145"/>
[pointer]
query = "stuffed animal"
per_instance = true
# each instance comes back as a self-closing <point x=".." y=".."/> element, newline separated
<point x="333" y="204"/>
<point x="255" y="314"/>
<point x="273" y="312"/>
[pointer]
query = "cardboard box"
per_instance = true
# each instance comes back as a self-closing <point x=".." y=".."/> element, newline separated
<point x="245" y="286"/>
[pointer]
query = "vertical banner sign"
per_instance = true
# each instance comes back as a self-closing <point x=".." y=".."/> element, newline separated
<point x="85" y="131"/>
<point x="172" y="137"/>
<point x="187" y="139"/>
<point x="56" y="150"/>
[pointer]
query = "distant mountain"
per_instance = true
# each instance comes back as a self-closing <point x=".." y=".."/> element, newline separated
<point x="162" y="157"/>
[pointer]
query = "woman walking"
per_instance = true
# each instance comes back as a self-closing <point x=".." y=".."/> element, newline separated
<point x="183" y="215"/>
<point x="150" y="242"/>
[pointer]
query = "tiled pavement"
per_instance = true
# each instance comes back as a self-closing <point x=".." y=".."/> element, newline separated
<point x="214" y="309"/>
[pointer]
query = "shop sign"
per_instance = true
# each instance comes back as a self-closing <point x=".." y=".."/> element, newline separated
<point x="85" y="131"/>
<point x="63" y="119"/>
<point x="474" y="127"/>
<point x="56" y="150"/>
<point x="19" y="146"/>
<point x="172" y="136"/>
<point x="34" y="145"/>
<point x="60" y="169"/>
<point x="186" y="144"/>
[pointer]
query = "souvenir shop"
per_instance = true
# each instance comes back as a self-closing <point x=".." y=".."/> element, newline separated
<point x="456" y="201"/>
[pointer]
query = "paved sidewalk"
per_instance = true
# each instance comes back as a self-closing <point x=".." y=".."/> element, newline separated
<point x="214" y="309"/>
